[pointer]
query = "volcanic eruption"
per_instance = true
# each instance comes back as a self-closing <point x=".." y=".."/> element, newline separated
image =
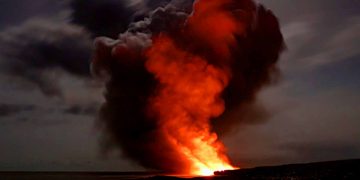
<point x="172" y="77"/>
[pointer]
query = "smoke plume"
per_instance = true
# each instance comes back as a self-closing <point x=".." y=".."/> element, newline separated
<point x="174" y="77"/>
<point x="102" y="17"/>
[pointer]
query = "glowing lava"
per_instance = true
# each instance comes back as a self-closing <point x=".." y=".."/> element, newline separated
<point x="189" y="92"/>
<point x="187" y="98"/>
<point x="190" y="88"/>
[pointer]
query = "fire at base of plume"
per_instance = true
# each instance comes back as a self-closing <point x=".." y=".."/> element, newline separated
<point x="171" y="75"/>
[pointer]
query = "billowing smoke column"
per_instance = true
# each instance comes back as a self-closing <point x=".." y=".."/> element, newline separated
<point x="171" y="75"/>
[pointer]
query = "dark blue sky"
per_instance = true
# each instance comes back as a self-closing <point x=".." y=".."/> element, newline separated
<point x="48" y="122"/>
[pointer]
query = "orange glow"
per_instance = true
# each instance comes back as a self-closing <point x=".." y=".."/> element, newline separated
<point x="189" y="95"/>
<point x="174" y="79"/>
<point x="215" y="25"/>
<point x="189" y="91"/>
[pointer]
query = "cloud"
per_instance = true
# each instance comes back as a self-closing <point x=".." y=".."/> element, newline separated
<point x="17" y="11"/>
<point x="320" y="151"/>
<point x="304" y="126"/>
<point x="102" y="17"/>
<point x="38" y="49"/>
<point x="184" y="5"/>
<point x="88" y="110"/>
<point x="111" y="17"/>
<point x="317" y="33"/>
<point x="167" y="18"/>
<point x="12" y="109"/>
<point x="332" y="47"/>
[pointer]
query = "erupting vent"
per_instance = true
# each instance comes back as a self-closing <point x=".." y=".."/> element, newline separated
<point x="171" y="76"/>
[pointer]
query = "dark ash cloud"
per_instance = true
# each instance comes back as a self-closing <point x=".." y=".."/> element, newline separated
<point x="36" y="49"/>
<point x="112" y="17"/>
<point x="183" y="5"/>
<point x="102" y="17"/>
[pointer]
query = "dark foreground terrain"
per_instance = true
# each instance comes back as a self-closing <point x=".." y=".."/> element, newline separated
<point x="344" y="169"/>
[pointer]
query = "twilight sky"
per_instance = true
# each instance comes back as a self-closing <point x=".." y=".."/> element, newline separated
<point x="48" y="101"/>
